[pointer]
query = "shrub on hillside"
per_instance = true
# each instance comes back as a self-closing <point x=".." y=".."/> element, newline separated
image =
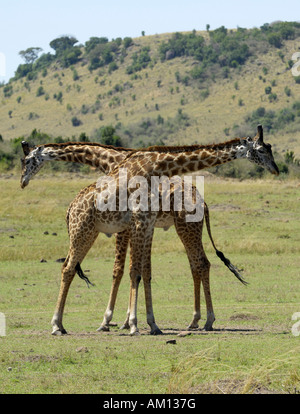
<point x="76" y="121"/>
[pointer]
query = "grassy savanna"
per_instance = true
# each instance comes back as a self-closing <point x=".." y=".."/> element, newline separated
<point x="252" y="349"/>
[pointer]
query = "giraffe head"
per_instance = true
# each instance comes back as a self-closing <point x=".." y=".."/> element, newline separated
<point x="255" y="150"/>
<point x="31" y="163"/>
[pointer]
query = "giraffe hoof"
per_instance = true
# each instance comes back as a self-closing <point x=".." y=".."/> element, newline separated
<point x="192" y="327"/>
<point x="59" y="332"/>
<point x="208" y="328"/>
<point x="156" y="331"/>
<point x="103" y="328"/>
<point x="124" y="326"/>
<point x="135" y="333"/>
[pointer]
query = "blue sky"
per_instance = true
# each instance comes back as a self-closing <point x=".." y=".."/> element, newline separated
<point x="28" y="23"/>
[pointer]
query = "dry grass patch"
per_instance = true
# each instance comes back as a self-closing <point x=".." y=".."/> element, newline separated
<point x="205" y="373"/>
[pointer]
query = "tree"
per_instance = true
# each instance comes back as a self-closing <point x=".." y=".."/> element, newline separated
<point x="274" y="40"/>
<point x="83" y="137"/>
<point x="70" y="57"/>
<point x="93" y="42"/>
<point x="40" y="91"/>
<point x="30" y="54"/>
<point x="62" y="43"/>
<point x="108" y="136"/>
<point x="76" y="121"/>
<point x="127" y="41"/>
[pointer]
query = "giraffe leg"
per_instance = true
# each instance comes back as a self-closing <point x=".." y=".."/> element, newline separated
<point x="118" y="271"/>
<point x="147" y="287"/>
<point x="148" y="296"/>
<point x="68" y="273"/>
<point x="135" y="279"/>
<point x="190" y="234"/>
<point x="126" y="322"/>
<point x="210" y="318"/>
<point x="141" y="234"/>
<point x="197" y="283"/>
<point x="80" y="244"/>
<point x="200" y="270"/>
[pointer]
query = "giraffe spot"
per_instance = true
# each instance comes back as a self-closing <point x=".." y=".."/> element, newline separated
<point x="204" y="155"/>
<point x="163" y="165"/>
<point x="194" y="157"/>
<point x="169" y="158"/>
<point x="191" y="166"/>
<point x="181" y="160"/>
<point x="175" y="171"/>
<point x="201" y="165"/>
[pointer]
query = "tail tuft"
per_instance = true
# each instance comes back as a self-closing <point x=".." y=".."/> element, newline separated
<point x="82" y="275"/>
<point x="224" y="259"/>
<point x="231" y="267"/>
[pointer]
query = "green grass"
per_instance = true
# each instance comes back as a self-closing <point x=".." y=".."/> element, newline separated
<point x="252" y="349"/>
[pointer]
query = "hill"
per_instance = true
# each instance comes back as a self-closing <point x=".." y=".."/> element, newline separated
<point x="165" y="89"/>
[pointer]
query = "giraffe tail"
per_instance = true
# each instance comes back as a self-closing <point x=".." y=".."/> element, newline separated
<point x="221" y="256"/>
<point x="82" y="275"/>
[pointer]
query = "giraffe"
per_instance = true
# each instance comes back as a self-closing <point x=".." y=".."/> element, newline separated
<point x="105" y="158"/>
<point x="102" y="157"/>
<point x="169" y="162"/>
<point x="154" y="161"/>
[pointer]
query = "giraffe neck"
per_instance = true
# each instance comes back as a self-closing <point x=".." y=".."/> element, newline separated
<point x="170" y="161"/>
<point x="102" y="157"/>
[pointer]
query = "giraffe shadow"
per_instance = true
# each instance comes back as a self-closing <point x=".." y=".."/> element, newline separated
<point x="199" y="331"/>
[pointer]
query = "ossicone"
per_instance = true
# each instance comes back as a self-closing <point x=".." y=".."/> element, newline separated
<point x="25" y="147"/>
<point x="260" y="133"/>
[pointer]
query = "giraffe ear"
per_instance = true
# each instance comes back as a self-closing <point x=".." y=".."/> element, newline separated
<point x="25" y="147"/>
<point x="260" y="134"/>
<point x="246" y="140"/>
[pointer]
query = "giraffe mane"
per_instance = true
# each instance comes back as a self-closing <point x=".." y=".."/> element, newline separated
<point x="77" y="143"/>
<point x="152" y="148"/>
<point x="186" y="148"/>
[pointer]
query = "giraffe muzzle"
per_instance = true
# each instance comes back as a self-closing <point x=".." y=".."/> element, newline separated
<point x="24" y="182"/>
<point x="274" y="169"/>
